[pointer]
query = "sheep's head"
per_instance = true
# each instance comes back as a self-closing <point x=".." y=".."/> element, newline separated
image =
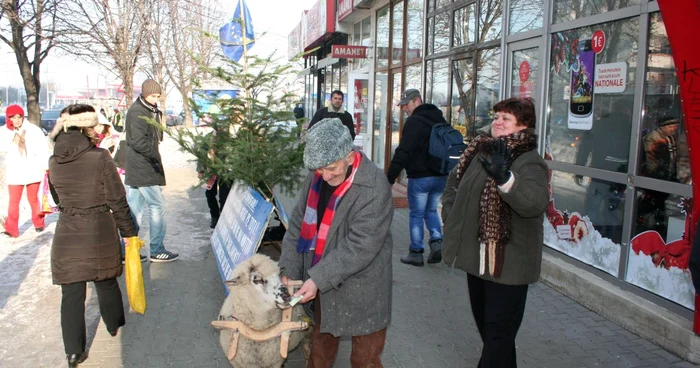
<point x="262" y="274"/>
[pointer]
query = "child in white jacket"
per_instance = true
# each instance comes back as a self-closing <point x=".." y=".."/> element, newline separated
<point x="26" y="161"/>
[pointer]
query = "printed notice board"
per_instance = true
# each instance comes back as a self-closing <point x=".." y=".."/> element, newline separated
<point x="240" y="229"/>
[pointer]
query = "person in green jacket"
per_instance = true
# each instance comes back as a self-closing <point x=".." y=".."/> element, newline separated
<point x="493" y="211"/>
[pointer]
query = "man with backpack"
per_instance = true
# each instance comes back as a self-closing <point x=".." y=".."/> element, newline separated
<point x="428" y="150"/>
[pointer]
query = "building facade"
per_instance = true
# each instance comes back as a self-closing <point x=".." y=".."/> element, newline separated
<point x="609" y="120"/>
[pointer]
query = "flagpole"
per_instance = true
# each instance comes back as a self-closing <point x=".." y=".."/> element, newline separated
<point x="245" y="48"/>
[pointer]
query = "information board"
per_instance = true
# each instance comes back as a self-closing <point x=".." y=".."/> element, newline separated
<point x="240" y="229"/>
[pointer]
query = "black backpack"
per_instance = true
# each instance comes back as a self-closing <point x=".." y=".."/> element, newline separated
<point x="445" y="147"/>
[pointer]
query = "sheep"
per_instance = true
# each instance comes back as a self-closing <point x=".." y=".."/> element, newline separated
<point x="257" y="298"/>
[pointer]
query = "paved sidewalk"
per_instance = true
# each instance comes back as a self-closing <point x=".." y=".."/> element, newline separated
<point x="432" y="325"/>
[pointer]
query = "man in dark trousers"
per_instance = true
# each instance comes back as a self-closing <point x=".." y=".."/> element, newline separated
<point x="144" y="167"/>
<point x="425" y="186"/>
<point x="336" y="110"/>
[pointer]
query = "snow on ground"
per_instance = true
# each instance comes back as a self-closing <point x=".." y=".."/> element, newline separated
<point x="28" y="299"/>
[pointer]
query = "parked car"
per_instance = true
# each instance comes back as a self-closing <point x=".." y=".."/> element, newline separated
<point x="172" y="119"/>
<point x="48" y="119"/>
<point x="2" y="120"/>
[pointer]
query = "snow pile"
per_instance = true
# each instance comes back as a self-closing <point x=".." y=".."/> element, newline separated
<point x="673" y="284"/>
<point x="594" y="249"/>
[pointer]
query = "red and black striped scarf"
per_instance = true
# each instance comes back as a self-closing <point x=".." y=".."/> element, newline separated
<point x="494" y="213"/>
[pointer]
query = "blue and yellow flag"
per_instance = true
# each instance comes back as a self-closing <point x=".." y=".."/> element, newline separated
<point x="231" y="35"/>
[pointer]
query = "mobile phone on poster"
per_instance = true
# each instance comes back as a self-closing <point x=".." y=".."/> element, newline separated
<point x="581" y="88"/>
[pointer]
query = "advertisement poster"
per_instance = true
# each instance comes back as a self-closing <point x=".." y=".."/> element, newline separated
<point x="240" y="228"/>
<point x="582" y="87"/>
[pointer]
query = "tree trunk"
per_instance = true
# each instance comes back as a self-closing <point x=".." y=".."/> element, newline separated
<point x="32" y="90"/>
<point x="185" y="91"/>
<point x="128" y="89"/>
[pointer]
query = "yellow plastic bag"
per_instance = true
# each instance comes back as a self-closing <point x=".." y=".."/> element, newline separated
<point x="134" y="275"/>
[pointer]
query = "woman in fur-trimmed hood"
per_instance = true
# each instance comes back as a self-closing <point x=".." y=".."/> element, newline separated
<point x="493" y="211"/>
<point x="85" y="184"/>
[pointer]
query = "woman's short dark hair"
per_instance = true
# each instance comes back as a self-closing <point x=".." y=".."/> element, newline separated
<point x="522" y="108"/>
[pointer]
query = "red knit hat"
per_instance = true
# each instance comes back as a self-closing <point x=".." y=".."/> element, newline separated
<point x="13" y="110"/>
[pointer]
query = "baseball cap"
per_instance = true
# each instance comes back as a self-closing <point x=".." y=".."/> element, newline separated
<point x="408" y="95"/>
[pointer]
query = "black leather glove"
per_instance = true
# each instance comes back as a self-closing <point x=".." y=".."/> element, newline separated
<point x="499" y="167"/>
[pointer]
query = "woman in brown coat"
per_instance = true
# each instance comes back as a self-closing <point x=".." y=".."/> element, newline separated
<point x="84" y="182"/>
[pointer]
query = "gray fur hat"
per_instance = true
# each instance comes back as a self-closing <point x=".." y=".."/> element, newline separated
<point x="326" y="142"/>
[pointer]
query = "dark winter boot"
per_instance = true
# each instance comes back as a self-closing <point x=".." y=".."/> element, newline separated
<point x="435" y="255"/>
<point x="413" y="258"/>
<point x="213" y="222"/>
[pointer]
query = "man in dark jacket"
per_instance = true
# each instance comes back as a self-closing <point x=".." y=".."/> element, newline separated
<point x="336" y="110"/>
<point x="144" y="167"/>
<point x="425" y="186"/>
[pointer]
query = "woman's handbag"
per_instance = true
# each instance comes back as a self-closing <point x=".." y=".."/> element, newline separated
<point x="135" y="289"/>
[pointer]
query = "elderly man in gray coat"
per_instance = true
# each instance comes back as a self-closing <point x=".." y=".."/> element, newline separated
<point x="339" y="242"/>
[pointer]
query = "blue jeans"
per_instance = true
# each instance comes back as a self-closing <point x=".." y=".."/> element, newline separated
<point x="152" y="196"/>
<point x="423" y="199"/>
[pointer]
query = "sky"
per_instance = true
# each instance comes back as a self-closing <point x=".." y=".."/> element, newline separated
<point x="276" y="18"/>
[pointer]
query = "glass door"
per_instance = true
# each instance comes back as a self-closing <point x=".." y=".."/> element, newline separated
<point x="358" y="98"/>
<point x="523" y="67"/>
<point x="379" y="131"/>
<point x="395" y="116"/>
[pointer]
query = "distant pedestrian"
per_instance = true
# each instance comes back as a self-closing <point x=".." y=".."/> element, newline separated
<point x="299" y="111"/>
<point x="144" y="166"/>
<point x="213" y="187"/>
<point x="118" y="121"/>
<point x="336" y="110"/>
<point x="26" y="160"/>
<point x="425" y="186"/>
<point x="339" y="242"/>
<point x="108" y="136"/>
<point x="493" y="208"/>
<point x="85" y="246"/>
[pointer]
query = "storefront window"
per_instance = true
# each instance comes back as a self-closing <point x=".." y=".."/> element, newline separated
<point x="428" y="81"/>
<point x="382" y="53"/>
<point x="664" y="147"/>
<point x="568" y="10"/>
<point x="343" y="86"/>
<point x="525" y="15"/>
<point x="584" y="219"/>
<point x="524" y="72"/>
<point x="414" y="30"/>
<point x="462" y="96"/>
<point x="439" y="88"/>
<point x="660" y="246"/>
<point x="465" y="26"/>
<point x="380" y="102"/>
<point x="431" y="29"/>
<point x="366" y="24"/>
<point x="414" y="74"/>
<point x="490" y="20"/>
<point x="397" y="34"/>
<point x="441" y="42"/>
<point x="487" y="85"/>
<point x="441" y="3"/>
<point x="589" y="121"/>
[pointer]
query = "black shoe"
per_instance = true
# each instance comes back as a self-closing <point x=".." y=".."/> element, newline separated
<point x="164" y="257"/>
<point x="39" y="229"/>
<point x="75" y="359"/>
<point x="143" y="259"/>
<point x="6" y="234"/>
<point x="413" y="258"/>
<point x="213" y="222"/>
<point x="435" y="255"/>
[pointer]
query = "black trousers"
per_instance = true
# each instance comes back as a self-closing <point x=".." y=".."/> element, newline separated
<point x="109" y="297"/>
<point x="214" y="207"/>
<point x="498" y="311"/>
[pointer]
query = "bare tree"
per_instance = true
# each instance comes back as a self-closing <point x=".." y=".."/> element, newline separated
<point x="31" y="29"/>
<point x="194" y="44"/>
<point x="111" y="33"/>
<point x="158" y="43"/>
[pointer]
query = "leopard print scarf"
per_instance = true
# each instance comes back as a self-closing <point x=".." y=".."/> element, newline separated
<point x="494" y="213"/>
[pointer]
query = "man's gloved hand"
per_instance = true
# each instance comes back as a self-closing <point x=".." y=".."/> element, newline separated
<point x="499" y="167"/>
